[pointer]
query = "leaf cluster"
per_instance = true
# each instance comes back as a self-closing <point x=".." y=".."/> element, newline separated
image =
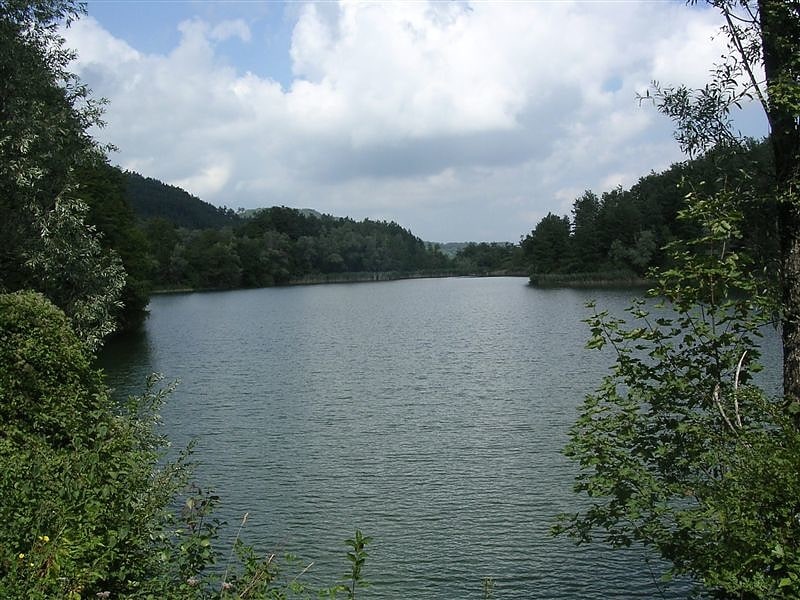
<point x="357" y="555"/>
<point x="678" y="449"/>
<point x="45" y="117"/>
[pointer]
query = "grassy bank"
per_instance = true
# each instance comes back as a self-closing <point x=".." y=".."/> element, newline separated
<point x="608" y="279"/>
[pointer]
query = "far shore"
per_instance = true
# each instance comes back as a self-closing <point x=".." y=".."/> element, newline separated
<point x="361" y="277"/>
<point x="610" y="279"/>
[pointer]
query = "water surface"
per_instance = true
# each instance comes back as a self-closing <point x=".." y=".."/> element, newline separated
<point x="428" y="413"/>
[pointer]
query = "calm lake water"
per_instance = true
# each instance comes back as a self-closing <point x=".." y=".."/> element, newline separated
<point x="428" y="413"/>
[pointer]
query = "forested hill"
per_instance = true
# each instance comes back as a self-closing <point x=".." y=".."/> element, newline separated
<point x="150" y="198"/>
<point x="622" y="233"/>
<point x="280" y="245"/>
<point x="169" y="239"/>
<point x="617" y="235"/>
<point x="193" y="244"/>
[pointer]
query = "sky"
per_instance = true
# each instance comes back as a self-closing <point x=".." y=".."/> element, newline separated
<point x="461" y="121"/>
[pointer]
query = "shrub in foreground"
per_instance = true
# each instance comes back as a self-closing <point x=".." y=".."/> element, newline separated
<point x="88" y="507"/>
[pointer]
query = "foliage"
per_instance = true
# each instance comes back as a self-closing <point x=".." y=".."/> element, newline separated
<point x="152" y="199"/>
<point x="195" y="245"/>
<point x="593" y="279"/>
<point x="357" y="557"/>
<point x="44" y="364"/>
<point x="546" y="246"/>
<point x="279" y="244"/>
<point x="102" y="188"/>
<point x="678" y="449"/>
<point x="45" y="114"/>
<point x="70" y="267"/>
<point x="79" y="486"/>
<point x="88" y="505"/>
<point x="625" y="231"/>
<point x="763" y="63"/>
<point x="494" y="257"/>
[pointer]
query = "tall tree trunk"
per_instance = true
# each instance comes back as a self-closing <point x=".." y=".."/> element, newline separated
<point x="780" y="35"/>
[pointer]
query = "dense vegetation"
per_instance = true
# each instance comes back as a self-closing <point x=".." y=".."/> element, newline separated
<point x="490" y="257"/>
<point x="150" y="199"/>
<point x="44" y="114"/>
<point x="195" y="245"/>
<point x="623" y="233"/>
<point x="279" y="245"/>
<point x="617" y="236"/>
<point x="678" y="449"/>
<point x="103" y="191"/>
<point x="88" y="505"/>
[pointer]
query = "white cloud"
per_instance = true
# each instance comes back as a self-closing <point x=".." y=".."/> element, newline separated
<point x="208" y="181"/>
<point x="228" y="29"/>
<point x="687" y="53"/>
<point x="440" y="116"/>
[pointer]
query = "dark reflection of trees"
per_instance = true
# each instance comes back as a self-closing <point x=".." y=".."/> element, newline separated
<point x="126" y="360"/>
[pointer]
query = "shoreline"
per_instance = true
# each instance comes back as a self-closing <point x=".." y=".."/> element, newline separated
<point x="589" y="280"/>
<point x="360" y="277"/>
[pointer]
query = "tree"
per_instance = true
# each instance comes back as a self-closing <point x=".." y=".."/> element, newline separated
<point x="585" y="209"/>
<point x="45" y="114"/>
<point x="618" y="220"/>
<point x="162" y="237"/>
<point x="678" y="449"/>
<point x="487" y="257"/>
<point x="763" y="36"/>
<point x="102" y="188"/>
<point x="780" y="27"/>
<point x="82" y="495"/>
<point x="636" y="258"/>
<point x="547" y="246"/>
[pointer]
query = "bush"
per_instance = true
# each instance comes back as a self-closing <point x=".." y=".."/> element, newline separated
<point x="80" y="493"/>
<point x="47" y="383"/>
<point x="88" y="506"/>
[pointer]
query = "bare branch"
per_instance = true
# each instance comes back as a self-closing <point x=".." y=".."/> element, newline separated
<point x="736" y="389"/>
<point x="737" y="42"/>
<point x="718" y="402"/>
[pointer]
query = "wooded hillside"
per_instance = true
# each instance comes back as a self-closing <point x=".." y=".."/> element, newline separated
<point x="624" y="231"/>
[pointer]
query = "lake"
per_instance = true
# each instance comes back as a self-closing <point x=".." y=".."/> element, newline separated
<point x="428" y="413"/>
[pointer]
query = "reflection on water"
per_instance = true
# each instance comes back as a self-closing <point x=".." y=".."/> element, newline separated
<point x="125" y="358"/>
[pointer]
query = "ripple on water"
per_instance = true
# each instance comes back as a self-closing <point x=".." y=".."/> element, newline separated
<point x="430" y="414"/>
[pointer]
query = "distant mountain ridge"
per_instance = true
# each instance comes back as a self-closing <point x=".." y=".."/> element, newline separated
<point x="452" y="248"/>
<point x="150" y="199"/>
<point x="251" y="212"/>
